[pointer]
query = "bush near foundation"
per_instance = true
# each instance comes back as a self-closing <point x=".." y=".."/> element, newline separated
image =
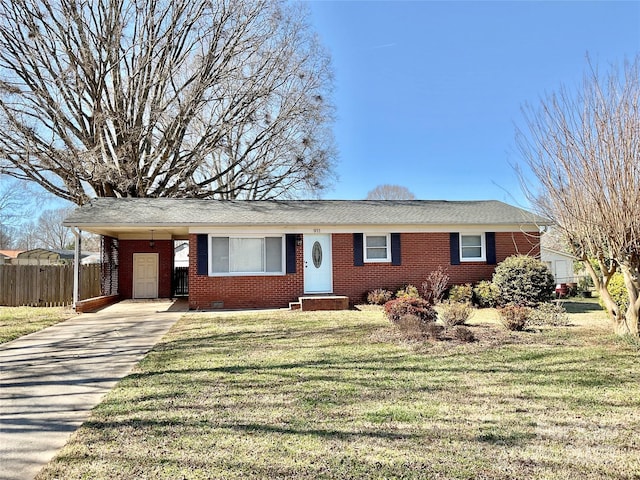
<point x="379" y="296"/>
<point x="408" y="291"/>
<point x="486" y="294"/>
<point x="524" y="281"/>
<point x="461" y="293"/>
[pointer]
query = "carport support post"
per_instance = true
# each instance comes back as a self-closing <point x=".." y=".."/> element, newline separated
<point x="76" y="266"/>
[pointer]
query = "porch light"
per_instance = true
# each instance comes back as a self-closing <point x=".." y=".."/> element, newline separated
<point x="151" y="242"/>
<point x="299" y="240"/>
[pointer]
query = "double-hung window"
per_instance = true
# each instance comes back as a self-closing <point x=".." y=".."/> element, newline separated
<point x="247" y="255"/>
<point x="377" y="248"/>
<point x="472" y="248"/>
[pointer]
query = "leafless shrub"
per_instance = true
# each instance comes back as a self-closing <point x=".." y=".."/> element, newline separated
<point x="435" y="286"/>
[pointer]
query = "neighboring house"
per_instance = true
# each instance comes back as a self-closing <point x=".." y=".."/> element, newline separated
<point x="560" y="264"/>
<point x="44" y="256"/>
<point x="89" y="258"/>
<point x="256" y="254"/>
<point x="181" y="254"/>
<point x="7" y="256"/>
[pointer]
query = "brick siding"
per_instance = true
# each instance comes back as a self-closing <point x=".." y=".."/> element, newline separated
<point x="165" y="265"/>
<point x="421" y="253"/>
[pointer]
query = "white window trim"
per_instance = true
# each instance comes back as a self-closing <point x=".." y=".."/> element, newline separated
<point x="246" y="274"/>
<point x="364" y="248"/>
<point x="483" y="247"/>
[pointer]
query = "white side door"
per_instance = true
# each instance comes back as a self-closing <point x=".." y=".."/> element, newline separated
<point x="563" y="275"/>
<point x="318" y="265"/>
<point x="145" y="275"/>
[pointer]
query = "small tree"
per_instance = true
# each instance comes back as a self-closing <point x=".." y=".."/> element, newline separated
<point x="584" y="150"/>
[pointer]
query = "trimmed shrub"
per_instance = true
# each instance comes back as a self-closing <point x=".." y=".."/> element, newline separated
<point x="454" y="313"/>
<point x="549" y="314"/>
<point x="408" y="291"/>
<point x="618" y="292"/>
<point x="461" y="293"/>
<point x="463" y="334"/>
<point x="486" y="294"/>
<point x="396" y="309"/>
<point x="523" y="280"/>
<point x="514" y="317"/>
<point x="379" y="296"/>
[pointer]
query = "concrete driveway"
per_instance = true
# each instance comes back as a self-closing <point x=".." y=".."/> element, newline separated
<point x="50" y="380"/>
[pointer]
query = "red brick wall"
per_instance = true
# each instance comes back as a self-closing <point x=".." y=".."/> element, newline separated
<point x="125" y="268"/>
<point x="258" y="291"/>
<point x="421" y="253"/>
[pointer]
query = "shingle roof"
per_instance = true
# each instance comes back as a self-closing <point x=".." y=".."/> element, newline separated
<point x="194" y="212"/>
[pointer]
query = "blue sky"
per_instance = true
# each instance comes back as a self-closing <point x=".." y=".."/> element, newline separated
<point x="428" y="93"/>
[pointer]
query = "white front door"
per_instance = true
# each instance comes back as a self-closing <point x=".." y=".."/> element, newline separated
<point x="318" y="267"/>
<point x="145" y="275"/>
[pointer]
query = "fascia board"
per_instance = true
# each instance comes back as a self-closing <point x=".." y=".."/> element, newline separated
<point x="311" y="229"/>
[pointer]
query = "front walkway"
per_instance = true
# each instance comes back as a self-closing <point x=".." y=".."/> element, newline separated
<point x="50" y="380"/>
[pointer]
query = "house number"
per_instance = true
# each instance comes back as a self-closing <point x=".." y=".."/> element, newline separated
<point x="316" y="230"/>
<point x="316" y="254"/>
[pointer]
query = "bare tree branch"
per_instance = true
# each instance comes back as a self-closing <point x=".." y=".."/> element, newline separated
<point x="584" y="150"/>
<point x="197" y="98"/>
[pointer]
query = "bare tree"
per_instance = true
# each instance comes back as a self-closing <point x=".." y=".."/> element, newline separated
<point x="182" y="98"/>
<point x="51" y="233"/>
<point x="584" y="150"/>
<point x="390" y="192"/>
<point x="27" y="236"/>
<point x="14" y="201"/>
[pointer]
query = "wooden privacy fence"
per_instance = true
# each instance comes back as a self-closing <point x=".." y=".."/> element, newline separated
<point x="46" y="285"/>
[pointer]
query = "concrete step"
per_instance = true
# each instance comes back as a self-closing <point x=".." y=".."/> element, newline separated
<point x="320" y="302"/>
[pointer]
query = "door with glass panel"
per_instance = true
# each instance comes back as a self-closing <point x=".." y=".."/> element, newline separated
<point x="318" y="266"/>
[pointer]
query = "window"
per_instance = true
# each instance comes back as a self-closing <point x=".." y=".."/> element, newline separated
<point x="472" y="248"/>
<point x="377" y="248"/>
<point x="246" y="255"/>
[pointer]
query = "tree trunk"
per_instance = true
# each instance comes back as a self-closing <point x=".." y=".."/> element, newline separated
<point x="629" y="324"/>
<point x="632" y="317"/>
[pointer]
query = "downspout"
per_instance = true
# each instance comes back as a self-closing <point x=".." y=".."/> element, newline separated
<point x="76" y="265"/>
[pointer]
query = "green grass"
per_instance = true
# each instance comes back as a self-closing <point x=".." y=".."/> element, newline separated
<point x="340" y="395"/>
<point x="18" y="321"/>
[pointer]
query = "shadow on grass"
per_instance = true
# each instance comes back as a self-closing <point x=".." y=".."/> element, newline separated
<point x="581" y="306"/>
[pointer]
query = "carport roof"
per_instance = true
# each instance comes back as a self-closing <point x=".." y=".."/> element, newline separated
<point x="177" y="215"/>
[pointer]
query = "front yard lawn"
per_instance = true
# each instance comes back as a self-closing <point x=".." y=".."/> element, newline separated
<point x="336" y="395"/>
<point x="18" y="321"/>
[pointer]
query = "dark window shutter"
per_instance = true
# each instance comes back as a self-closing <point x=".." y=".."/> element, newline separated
<point x="395" y="249"/>
<point x="358" y="253"/>
<point x="203" y="254"/>
<point x="490" y="238"/>
<point x="454" y="246"/>
<point x="290" y="246"/>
